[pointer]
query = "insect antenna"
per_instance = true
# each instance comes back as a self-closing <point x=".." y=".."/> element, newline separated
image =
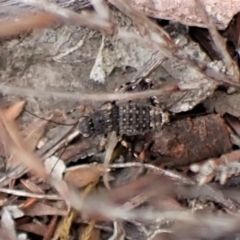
<point x="175" y="102"/>
<point x="48" y="120"/>
<point x="59" y="157"/>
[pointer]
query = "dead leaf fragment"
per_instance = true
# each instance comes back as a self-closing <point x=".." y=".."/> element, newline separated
<point x="14" y="111"/>
<point x="34" y="133"/>
<point x="35" y="228"/>
<point x="186" y="12"/>
<point x="15" y="145"/>
<point x="31" y="186"/>
<point x="41" y="209"/>
<point x="83" y="175"/>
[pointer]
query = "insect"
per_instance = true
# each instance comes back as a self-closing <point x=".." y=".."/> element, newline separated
<point x="125" y="118"/>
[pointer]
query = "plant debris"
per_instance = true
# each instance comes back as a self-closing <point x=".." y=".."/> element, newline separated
<point x="119" y="120"/>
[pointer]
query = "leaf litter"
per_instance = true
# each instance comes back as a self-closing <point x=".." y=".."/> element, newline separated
<point x="49" y="195"/>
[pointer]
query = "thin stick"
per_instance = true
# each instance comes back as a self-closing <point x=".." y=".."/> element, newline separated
<point x="216" y="37"/>
<point x="91" y="20"/>
<point x="155" y="169"/>
<point x="31" y="195"/>
<point x="84" y="97"/>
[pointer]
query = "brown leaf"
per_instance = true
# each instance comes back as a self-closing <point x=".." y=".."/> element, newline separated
<point x="41" y="209"/>
<point x="31" y="186"/>
<point x="33" y="228"/>
<point x="35" y="134"/>
<point x="14" y="111"/>
<point x="51" y="228"/>
<point x="35" y="131"/>
<point x="17" y="148"/>
<point x="28" y="203"/>
<point x="83" y="175"/>
<point x="187" y="13"/>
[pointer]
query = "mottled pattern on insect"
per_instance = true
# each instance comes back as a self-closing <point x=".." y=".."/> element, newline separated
<point x="125" y="118"/>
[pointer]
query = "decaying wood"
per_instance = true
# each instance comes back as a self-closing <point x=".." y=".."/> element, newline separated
<point x="191" y="140"/>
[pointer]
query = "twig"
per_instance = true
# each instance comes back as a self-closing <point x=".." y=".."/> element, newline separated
<point x="155" y="169"/>
<point x="62" y="143"/>
<point x="27" y="22"/>
<point x="216" y="37"/>
<point x="156" y="60"/>
<point x="31" y="195"/>
<point x="101" y="9"/>
<point x="51" y="228"/>
<point x="91" y="20"/>
<point x="83" y="97"/>
<point x="112" y="142"/>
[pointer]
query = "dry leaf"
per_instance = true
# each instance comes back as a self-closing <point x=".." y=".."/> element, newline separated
<point x="185" y="11"/>
<point x="34" y="133"/>
<point x="51" y="228"/>
<point x="17" y="148"/>
<point x="28" y="203"/>
<point x="14" y="111"/>
<point x="40" y="209"/>
<point x="35" y="228"/>
<point x="83" y="175"/>
<point x="31" y="186"/>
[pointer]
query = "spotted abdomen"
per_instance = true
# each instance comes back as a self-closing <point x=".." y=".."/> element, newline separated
<point x="135" y="119"/>
<point x="129" y="119"/>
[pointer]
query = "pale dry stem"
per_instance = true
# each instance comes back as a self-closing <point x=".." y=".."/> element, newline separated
<point x="218" y="40"/>
<point x="83" y="18"/>
<point x="27" y="22"/>
<point x="83" y="97"/>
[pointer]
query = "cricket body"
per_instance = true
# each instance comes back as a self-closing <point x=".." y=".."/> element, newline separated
<point x="126" y="119"/>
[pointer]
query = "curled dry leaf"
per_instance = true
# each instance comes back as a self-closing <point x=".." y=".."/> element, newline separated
<point x="83" y="175"/>
<point x="185" y="11"/>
